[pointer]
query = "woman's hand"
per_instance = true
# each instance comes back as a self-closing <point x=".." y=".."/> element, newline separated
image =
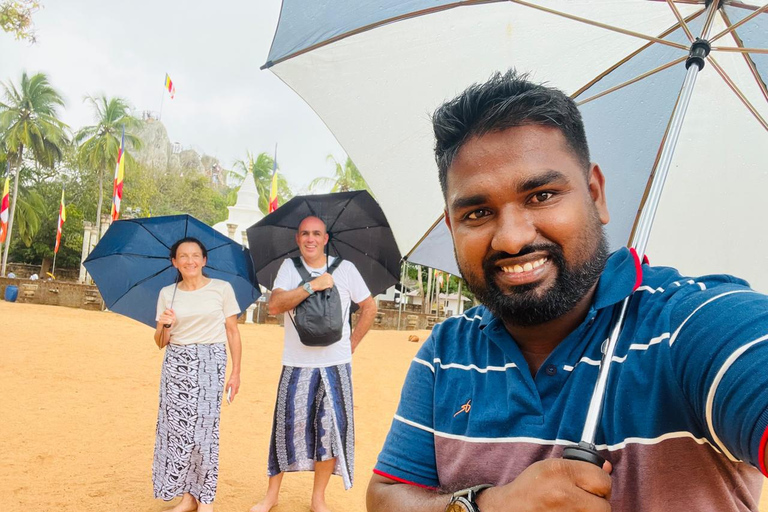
<point x="168" y="317"/>
<point x="234" y="384"/>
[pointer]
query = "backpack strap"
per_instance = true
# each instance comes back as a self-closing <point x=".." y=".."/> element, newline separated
<point x="305" y="277"/>
<point x="335" y="264"/>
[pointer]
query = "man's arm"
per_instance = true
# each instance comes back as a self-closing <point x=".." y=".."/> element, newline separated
<point x="551" y="485"/>
<point x="364" y="321"/>
<point x="284" y="300"/>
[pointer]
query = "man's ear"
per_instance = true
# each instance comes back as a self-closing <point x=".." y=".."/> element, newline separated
<point x="447" y="219"/>
<point x="596" y="184"/>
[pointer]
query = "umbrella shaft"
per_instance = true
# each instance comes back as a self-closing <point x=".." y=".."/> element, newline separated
<point x="645" y="223"/>
<point x="640" y="238"/>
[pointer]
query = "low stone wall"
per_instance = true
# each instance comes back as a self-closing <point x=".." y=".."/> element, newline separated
<point x="54" y="293"/>
<point x="23" y="271"/>
<point x="74" y="295"/>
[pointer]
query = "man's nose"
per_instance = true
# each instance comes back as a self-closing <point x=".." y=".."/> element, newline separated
<point x="515" y="230"/>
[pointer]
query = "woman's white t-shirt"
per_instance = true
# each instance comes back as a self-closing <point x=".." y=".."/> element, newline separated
<point x="201" y="313"/>
<point x="352" y="288"/>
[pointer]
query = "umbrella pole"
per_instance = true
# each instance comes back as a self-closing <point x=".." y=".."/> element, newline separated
<point x="403" y="269"/>
<point x="585" y="451"/>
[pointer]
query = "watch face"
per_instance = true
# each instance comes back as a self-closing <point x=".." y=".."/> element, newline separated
<point x="459" y="504"/>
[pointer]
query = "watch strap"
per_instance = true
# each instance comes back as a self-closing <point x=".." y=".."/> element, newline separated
<point x="468" y="496"/>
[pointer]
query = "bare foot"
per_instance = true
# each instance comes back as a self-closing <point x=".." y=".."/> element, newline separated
<point x="318" y="506"/>
<point x="187" y="504"/>
<point x="205" y="507"/>
<point x="263" y="506"/>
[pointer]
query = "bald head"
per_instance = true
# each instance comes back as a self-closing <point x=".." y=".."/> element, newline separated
<point x="311" y="238"/>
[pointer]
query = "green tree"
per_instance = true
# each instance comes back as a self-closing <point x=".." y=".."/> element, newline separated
<point x="30" y="127"/>
<point x="261" y="169"/>
<point x="345" y="178"/>
<point x="99" y="144"/>
<point x="16" y="18"/>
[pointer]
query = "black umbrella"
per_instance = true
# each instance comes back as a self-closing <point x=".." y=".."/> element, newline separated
<point x="357" y="228"/>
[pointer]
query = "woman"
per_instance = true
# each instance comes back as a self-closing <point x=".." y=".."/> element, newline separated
<point x="194" y="319"/>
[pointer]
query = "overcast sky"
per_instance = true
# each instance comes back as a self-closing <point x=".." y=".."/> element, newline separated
<point x="224" y="105"/>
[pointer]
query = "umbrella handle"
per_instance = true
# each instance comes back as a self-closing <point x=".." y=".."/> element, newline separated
<point x="584" y="452"/>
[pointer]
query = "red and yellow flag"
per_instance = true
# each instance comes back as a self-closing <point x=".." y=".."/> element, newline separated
<point x="62" y="218"/>
<point x="273" y="187"/>
<point x="117" y="189"/>
<point x="169" y="85"/>
<point x="4" y="209"/>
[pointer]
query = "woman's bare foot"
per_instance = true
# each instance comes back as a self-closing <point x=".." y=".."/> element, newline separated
<point x="205" y="507"/>
<point x="318" y="505"/>
<point x="264" y="505"/>
<point x="187" y="504"/>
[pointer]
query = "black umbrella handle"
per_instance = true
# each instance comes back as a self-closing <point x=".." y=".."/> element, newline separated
<point x="584" y="452"/>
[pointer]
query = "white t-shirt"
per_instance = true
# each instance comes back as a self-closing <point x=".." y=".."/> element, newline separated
<point x="200" y="314"/>
<point x="351" y="288"/>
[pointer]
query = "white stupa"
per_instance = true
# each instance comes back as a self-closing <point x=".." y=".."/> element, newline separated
<point x="244" y="214"/>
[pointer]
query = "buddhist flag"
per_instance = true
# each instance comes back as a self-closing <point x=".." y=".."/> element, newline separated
<point x="273" y="188"/>
<point x="62" y="218"/>
<point x="169" y="85"/>
<point x="5" y="202"/>
<point x="117" y="189"/>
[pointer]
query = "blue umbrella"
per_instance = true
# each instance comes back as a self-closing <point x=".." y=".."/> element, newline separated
<point x="131" y="263"/>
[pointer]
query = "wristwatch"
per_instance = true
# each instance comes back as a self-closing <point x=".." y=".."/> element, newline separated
<point x="308" y="288"/>
<point x="464" y="500"/>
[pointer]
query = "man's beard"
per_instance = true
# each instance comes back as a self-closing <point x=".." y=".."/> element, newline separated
<point x="525" y="305"/>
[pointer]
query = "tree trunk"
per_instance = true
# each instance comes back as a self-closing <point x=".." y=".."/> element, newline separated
<point x="13" y="209"/>
<point x="101" y="200"/>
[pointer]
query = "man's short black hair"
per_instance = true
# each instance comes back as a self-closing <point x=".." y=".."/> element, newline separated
<point x="505" y="101"/>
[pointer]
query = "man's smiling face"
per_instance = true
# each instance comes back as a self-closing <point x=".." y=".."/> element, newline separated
<point x="526" y="219"/>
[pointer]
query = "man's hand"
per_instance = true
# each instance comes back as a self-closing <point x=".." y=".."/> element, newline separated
<point x="322" y="282"/>
<point x="553" y="485"/>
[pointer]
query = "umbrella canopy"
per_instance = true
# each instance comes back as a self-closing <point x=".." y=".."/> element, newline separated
<point x="357" y="228"/>
<point x="374" y="72"/>
<point x="131" y="263"/>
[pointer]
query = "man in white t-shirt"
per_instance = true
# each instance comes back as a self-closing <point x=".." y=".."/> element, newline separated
<point x="313" y="427"/>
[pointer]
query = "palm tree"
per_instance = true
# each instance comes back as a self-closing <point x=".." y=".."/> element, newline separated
<point x="345" y="178"/>
<point x="261" y="167"/>
<point x="29" y="122"/>
<point x="100" y="143"/>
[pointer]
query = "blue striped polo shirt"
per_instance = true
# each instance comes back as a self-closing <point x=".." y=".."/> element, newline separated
<point x="684" y="418"/>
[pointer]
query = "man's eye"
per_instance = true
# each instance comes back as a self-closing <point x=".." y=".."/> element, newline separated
<point x="540" y="197"/>
<point x="477" y="214"/>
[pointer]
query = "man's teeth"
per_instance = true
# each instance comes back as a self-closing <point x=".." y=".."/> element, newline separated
<point x="517" y="269"/>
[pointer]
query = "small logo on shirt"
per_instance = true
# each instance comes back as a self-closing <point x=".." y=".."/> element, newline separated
<point x="464" y="408"/>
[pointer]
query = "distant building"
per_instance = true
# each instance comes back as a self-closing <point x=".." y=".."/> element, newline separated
<point x="243" y="214"/>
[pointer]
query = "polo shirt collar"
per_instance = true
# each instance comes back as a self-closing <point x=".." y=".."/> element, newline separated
<point x="621" y="276"/>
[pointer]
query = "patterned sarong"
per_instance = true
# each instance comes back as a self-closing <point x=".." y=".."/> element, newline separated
<point x="314" y="421"/>
<point x="187" y="442"/>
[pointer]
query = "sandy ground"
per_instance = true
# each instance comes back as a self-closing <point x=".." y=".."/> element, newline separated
<point x="79" y="403"/>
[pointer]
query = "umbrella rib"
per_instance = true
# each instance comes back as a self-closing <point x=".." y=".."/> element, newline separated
<point x="371" y="26"/>
<point x="633" y="80"/>
<point x="736" y="25"/>
<point x="343" y="208"/>
<point x="737" y="91"/>
<point x="377" y="262"/>
<point x="602" y="25"/>
<point x="147" y="256"/>
<point x="733" y="49"/>
<point x="139" y="283"/>
<point x="747" y="58"/>
<point x="631" y="56"/>
<point x="680" y="20"/>
<point x="424" y="236"/>
<point x="151" y="233"/>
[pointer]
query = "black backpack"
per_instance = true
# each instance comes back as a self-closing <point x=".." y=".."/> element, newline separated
<point x="319" y="319"/>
